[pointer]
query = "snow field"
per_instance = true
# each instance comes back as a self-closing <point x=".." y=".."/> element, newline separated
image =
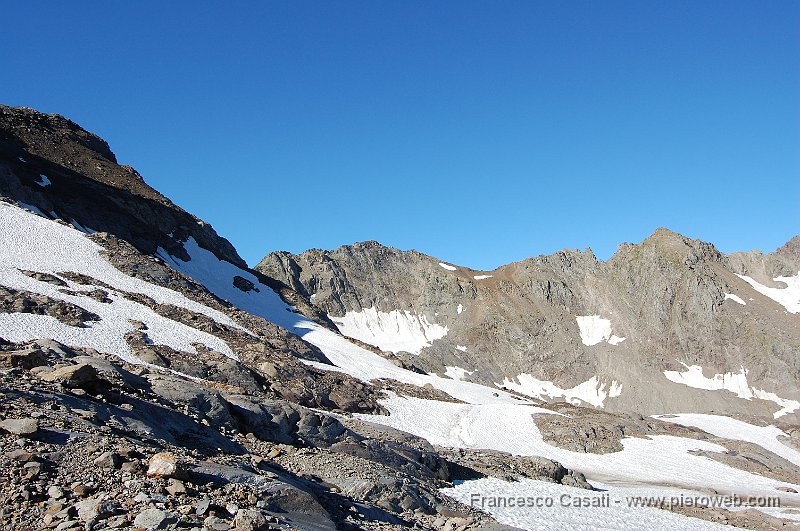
<point x="394" y="331"/>
<point x="33" y="243"/>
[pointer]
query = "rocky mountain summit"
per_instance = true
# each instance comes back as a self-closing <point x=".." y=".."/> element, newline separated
<point x="150" y="380"/>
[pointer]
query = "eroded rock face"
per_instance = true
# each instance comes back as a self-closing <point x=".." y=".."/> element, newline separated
<point x="577" y="329"/>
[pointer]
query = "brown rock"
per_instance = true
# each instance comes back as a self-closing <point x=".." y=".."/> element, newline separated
<point x="72" y="376"/>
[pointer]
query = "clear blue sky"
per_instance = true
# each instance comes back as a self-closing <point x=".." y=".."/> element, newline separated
<point x="478" y="132"/>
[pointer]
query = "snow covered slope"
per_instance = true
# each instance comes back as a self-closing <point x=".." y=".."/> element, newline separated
<point x="31" y="243"/>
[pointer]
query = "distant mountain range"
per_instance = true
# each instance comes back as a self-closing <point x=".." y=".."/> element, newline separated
<point x="669" y="324"/>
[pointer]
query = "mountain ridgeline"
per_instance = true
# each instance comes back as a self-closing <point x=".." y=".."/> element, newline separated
<point x="697" y="335"/>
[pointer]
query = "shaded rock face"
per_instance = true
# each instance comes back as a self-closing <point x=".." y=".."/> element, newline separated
<point x="666" y="304"/>
<point x="84" y="183"/>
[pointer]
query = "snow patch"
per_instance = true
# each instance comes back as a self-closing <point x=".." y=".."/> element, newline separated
<point x="730" y="381"/>
<point x="591" y="391"/>
<point x="460" y="309"/>
<point x="615" y="340"/>
<point x="394" y="331"/>
<point x="448" y="266"/>
<point x="81" y="227"/>
<point x="735" y="298"/>
<point x="456" y="373"/>
<point x="594" y="329"/>
<point x="482" y="277"/>
<point x="462" y="348"/>
<point x="788" y="297"/>
<point x="44" y="181"/>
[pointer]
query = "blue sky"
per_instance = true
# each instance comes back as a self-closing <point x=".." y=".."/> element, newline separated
<point x="478" y="132"/>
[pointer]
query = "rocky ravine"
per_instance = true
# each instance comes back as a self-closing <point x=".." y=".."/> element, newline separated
<point x="665" y="325"/>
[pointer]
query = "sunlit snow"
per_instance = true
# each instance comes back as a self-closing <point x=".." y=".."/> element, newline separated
<point x="456" y="373"/>
<point x="491" y="418"/>
<point x="591" y="391"/>
<point x="32" y="243"/>
<point x="448" y="266"/>
<point x="729" y="428"/>
<point x="735" y="382"/>
<point x="543" y="506"/>
<point x="788" y="297"/>
<point x="594" y="329"/>
<point x="660" y="460"/>
<point x="735" y="298"/>
<point x="393" y="331"/>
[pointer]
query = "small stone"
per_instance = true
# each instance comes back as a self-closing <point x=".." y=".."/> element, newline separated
<point x="55" y="492"/>
<point x="82" y="490"/>
<point x="116" y="522"/>
<point x="22" y="427"/>
<point x="268" y="369"/>
<point x="86" y="415"/>
<point x="132" y="467"/>
<point x="275" y="452"/>
<point x="163" y="465"/>
<point x="21" y="455"/>
<point x="108" y="460"/>
<point x="184" y="509"/>
<point x="95" y="508"/>
<point x="154" y="519"/>
<point x="33" y="469"/>
<point x="216" y="524"/>
<point x="67" y="524"/>
<point x="202" y="507"/>
<point x="175" y="487"/>
<point x="250" y="520"/>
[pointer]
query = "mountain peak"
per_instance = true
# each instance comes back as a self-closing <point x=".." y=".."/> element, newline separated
<point x="790" y="249"/>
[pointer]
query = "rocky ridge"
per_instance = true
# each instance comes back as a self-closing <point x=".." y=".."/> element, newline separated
<point x="667" y="304"/>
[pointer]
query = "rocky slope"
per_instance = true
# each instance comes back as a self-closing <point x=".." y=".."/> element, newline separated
<point x="664" y="325"/>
